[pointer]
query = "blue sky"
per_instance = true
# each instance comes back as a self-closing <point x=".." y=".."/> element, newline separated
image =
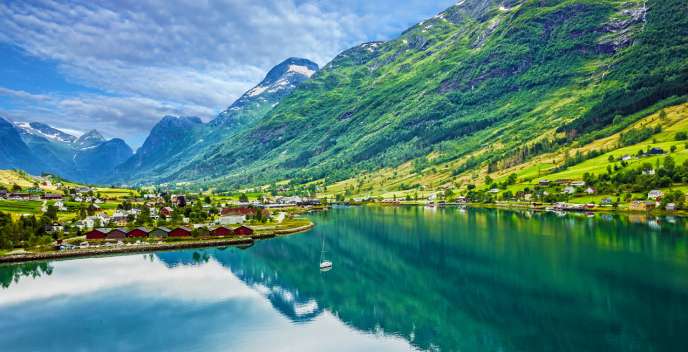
<point x="119" y="66"/>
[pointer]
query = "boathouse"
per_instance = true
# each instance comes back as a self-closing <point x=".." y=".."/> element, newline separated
<point x="243" y="231"/>
<point x="160" y="232"/>
<point x="97" y="234"/>
<point x="117" y="234"/>
<point x="221" y="231"/>
<point x="180" y="232"/>
<point x="138" y="232"/>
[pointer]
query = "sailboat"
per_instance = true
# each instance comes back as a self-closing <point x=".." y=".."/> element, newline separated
<point x="325" y="265"/>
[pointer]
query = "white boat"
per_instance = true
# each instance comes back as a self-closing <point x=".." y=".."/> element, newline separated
<point x="325" y="265"/>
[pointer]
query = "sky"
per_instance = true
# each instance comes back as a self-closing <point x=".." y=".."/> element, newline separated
<point x="120" y="66"/>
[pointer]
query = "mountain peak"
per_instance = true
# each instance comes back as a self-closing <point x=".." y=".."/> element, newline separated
<point x="279" y="82"/>
<point x="89" y="139"/>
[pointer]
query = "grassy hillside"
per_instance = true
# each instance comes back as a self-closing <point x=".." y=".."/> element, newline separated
<point x="413" y="180"/>
<point x="479" y="86"/>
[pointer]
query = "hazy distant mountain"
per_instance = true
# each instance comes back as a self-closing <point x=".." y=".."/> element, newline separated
<point x="89" y="139"/>
<point x="37" y="147"/>
<point x="14" y="153"/>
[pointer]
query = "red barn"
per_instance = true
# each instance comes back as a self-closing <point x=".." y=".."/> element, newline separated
<point x="138" y="232"/>
<point x="243" y="231"/>
<point x="96" y="234"/>
<point x="180" y="232"/>
<point x="117" y="234"/>
<point x="221" y="231"/>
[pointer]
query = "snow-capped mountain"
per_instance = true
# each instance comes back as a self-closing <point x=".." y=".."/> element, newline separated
<point x="37" y="147"/>
<point x="42" y="130"/>
<point x="278" y="83"/>
<point x="89" y="139"/>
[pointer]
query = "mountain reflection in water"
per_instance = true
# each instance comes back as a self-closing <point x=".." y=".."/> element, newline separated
<point x="404" y="279"/>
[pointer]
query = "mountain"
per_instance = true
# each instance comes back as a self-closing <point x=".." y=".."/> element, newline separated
<point x="168" y="138"/>
<point x="39" y="129"/>
<point x="278" y="83"/>
<point x="481" y="86"/>
<point x="37" y="148"/>
<point x="89" y="139"/>
<point x="178" y="141"/>
<point x="14" y="153"/>
<point x="96" y="162"/>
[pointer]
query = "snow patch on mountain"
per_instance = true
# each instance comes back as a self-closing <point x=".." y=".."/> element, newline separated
<point x="42" y="130"/>
<point x="301" y="70"/>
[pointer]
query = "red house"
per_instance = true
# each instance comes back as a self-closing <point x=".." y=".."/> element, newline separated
<point x="117" y="234"/>
<point x="180" y="232"/>
<point x="138" y="232"/>
<point x="96" y="234"/>
<point x="221" y="231"/>
<point x="243" y="231"/>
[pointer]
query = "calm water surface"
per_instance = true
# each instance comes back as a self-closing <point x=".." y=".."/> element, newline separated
<point x="403" y="279"/>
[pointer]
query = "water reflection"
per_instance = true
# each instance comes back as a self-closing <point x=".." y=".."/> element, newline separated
<point x="404" y="278"/>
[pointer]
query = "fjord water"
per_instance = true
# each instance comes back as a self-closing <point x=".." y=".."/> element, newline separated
<point x="403" y="279"/>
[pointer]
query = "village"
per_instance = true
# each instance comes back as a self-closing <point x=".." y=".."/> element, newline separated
<point x="78" y="217"/>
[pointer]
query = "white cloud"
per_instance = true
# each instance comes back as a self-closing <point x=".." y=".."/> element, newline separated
<point x="22" y="95"/>
<point x="191" y="57"/>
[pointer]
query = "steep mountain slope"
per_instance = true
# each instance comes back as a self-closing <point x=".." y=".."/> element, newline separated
<point x="168" y="138"/>
<point x="178" y="141"/>
<point x="96" y="162"/>
<point x="485" y="83"/>
<point x="14" y="153"/>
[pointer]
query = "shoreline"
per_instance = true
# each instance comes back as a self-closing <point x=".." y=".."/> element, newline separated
<point x="145" y="248"/>
<point x="542" y="208"/>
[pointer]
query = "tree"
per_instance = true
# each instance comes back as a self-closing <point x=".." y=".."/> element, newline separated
<point x="243" y="198"/>
<point x="488" y="180"/>
<point x="51" y="212"/>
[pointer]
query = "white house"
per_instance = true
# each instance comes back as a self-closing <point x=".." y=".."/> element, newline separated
<point x="655" y="194"/>
<point x="494" y="191"/>
<point x="590" y="190"/>
<point x="578" y="183"/>
<point x="649" y="172"/>
<point x="569" y="190"/>
<point x="231" y="219"/>
<point x="626" y="157"/>
<point x="60" y="205"/>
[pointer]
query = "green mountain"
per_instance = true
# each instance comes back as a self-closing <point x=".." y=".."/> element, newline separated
<point x="474" y="86"/>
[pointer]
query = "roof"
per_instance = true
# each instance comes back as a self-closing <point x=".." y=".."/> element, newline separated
<point x="162" y="228"/>
<point x="120" y="230"/>
<point x="183" y="228"/>
<point x="102" y="229"/>
<point x="141" y="229"/>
